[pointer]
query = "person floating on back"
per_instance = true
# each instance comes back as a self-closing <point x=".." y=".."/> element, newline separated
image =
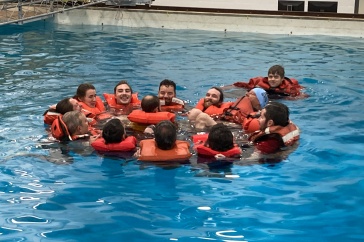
<point x="276" y="130"/>
<point x="275" y="84"/>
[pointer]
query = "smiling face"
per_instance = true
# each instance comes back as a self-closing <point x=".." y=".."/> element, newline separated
<point x="90" y="98"/>
<point x="274" y="80"/>
<point x="212" y="98"/>
<point x="123" y="94"/>
<point x="166" y="93"/>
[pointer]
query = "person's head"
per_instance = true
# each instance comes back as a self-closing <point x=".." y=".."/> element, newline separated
<point x="86" y="93"/>
<point x="67" y="105"/>
<point x="220" y="138"/>
<point x="113" y="131"/>
<point x="150" y="104"/>
<point x="123" y="92"/>
<point x="214" y="96"/>
<point x="76" y="122"/>
<point x="167" y="91"/>
<point x="165" y="135"/>
<point x="258" y="98"/>
<point x="274" y="113"/>
<point x="275" y="75"/>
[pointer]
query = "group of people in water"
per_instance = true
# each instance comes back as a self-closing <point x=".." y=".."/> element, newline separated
<point x="266" y="122"/>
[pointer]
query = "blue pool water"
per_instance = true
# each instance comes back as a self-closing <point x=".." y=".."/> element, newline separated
<point x="50" y="192"/>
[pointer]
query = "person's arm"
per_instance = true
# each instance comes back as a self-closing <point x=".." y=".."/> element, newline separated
<point x="268" y="146"/>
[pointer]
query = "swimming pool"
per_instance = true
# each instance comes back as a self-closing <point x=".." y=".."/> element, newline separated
<point x="53" y="193"/>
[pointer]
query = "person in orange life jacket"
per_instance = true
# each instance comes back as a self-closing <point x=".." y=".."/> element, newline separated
<point x="62" y="107"/>
<point x="76" y="126"/>
<point x="253" y="101"/>
<point x="164" y="146"/>
<point x="86" y="95"/>
<point x="211" y="105"/>
<point x="122" y="104"/>
<point x="275" y="84"/>
<point x="114" y="138"/>
<point x="220" y="138"/>
<point x="167" y="95"/>
<point x="276" y="130"/>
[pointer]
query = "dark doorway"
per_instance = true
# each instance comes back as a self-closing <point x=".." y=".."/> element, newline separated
<point x="330" y="7"/>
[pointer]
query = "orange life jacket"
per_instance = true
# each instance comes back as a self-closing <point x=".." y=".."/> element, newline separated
<point x="251" y="124"/>
<point x="150" y="152"/>
<point x="50" y="116"/>
<point x="288" y="87"/>
<point x="212" y="110"/>
<point x="176" y="105"/>
<point x="139" y="116"/>
<point x="92" y="112"/>
<point x="238" y="111"/>
<point x="288" y="134"/>
<point x="111" y="101"/>
<point x="60" y="131"/>
<point x="203" y="150"/>
<point x="128" y="144"/>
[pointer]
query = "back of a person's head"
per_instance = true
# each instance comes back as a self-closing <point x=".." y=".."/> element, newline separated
<point x="113" y="131"/>
<point x="165" y="135"/>
<point x="276" y="69"/>
<point x="121" y="83"/>
<point x="83" y="88"/>
<point x="221" y="93"/>
<point x="278" y="112"/>
<point x="64" y="106"/>
<point x="72" y="120"/>
<point x="168" y="83"/>
<point x="150" y="103"/>
<point x="220" y="138"/>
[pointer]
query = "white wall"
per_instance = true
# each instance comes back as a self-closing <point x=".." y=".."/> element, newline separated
<point x="288" y="25"/>
<point x="344" y="6"/>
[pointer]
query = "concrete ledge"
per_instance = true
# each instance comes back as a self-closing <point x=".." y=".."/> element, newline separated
<point x="211" y="21"/>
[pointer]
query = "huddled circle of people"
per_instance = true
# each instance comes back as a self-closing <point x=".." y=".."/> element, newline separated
<point x="105" y="122"/>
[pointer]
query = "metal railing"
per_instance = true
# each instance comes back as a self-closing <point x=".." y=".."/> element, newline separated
<point x="19" y="12"/>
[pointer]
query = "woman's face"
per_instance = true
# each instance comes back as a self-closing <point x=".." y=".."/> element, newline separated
<point x="90" y="98"/>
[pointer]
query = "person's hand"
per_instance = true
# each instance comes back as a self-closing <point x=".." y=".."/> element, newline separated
<point x="137" y="153"/>
<point x="220" y="157"/>
<point x="93" y="138"/>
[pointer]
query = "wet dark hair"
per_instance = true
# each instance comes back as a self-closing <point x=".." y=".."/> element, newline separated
<point x="220" y="138"/>
<point x="276" y="69"/>
<point x="64" y="106"/>
<point x="278" y="112"/>
<point x="150" y="103"/>
<point x="121" y="83"/>
<point x="113" y="131"/>
<point x="167" y="83"/>
<point x="221" y="93"/>
<point x="82" y="89"/>
<point x="165" y="135"/>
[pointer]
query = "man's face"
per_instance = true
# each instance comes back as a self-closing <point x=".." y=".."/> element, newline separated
<point x="253" y="100"/>
<point x="274" y="80"/>
<point x="166" y="93"/>
<point x="263" y="122"/>
<point x="83" y="129"/>
<point x="123" y="94"/>
<point x="212" y="98"/>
